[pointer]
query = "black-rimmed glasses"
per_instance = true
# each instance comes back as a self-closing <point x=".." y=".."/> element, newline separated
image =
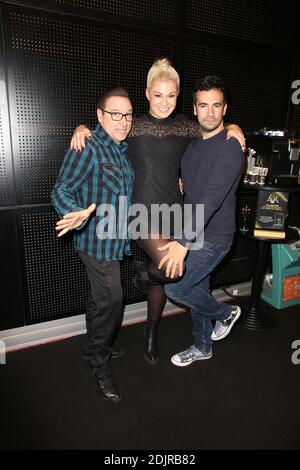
<point x="118" y="116"/>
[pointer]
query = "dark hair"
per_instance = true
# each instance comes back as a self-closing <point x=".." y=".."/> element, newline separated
<point x="211" y="82"/>
<point x="109" y="92"/>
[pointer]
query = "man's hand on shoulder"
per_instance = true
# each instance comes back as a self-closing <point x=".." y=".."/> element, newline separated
<point x="78" y="138"/>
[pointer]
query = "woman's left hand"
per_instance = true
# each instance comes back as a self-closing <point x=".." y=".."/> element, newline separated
<point x="235" y="131"/>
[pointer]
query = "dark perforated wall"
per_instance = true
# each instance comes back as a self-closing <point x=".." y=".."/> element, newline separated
<point x="3" y="166"/>
<point x="258" y="84"/>
<point x="56" y="285"/>
<point x="260" y="21"/>
<point x="57" y="68"/>
<point x="56" y="56"/>
<point x="6" y="177"/>
<point x="147" y="10"/>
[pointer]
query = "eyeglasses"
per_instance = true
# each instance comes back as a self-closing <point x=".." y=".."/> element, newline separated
<point x="119" y="116"/>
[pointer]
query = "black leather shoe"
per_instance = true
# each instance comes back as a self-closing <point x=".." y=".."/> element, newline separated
<point x="108" y="388"/>
<point x="151" y="354"/>
<point x="116" y="353"/>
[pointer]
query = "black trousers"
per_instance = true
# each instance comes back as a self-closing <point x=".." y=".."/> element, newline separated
<point x="104" y="310"/>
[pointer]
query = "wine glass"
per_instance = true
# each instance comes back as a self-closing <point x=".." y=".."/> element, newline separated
<point x="245" y="213"/>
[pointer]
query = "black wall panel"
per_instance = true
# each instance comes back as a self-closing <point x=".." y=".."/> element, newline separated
<point x="147" y="10"/>
<point x="55" y="282"/>
<point x="294" y="210"/>
<point x="238" y="264"/>
<point x="57" y="55"/>
<point x="148" y="13"/>
<point x="261" y="21"/>
<point x="56" y="70"/>
<point x="11" y="298"/>
<point x="259" y="85"/>
<point x="4" y="158"/>
<point x="6" y="175"/>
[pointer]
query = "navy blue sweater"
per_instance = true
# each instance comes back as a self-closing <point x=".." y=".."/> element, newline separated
<point x="211" y="170"/>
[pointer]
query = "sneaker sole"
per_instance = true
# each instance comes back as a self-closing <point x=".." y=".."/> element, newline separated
<point x="185" y="364"/>
<point x="218" y="338"/>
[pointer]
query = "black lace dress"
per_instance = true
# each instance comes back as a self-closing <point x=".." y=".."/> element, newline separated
<point x="155" y="150"/>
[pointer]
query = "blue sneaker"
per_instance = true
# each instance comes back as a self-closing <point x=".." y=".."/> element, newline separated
<point x="223" y="327"/>
<point x="185" y="358"/>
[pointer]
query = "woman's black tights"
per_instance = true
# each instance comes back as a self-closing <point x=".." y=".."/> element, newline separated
<point x="156" y="295"/>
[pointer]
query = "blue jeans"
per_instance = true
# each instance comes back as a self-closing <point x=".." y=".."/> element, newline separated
<point x="193" y="290"/>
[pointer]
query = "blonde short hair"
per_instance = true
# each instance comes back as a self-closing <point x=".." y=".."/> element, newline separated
<point x="162" y="69"/>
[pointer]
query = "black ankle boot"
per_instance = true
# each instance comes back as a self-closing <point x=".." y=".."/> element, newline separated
<point x="151" y="354"/>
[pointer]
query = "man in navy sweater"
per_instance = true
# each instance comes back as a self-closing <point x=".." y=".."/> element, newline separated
<point x="211" y="169"/>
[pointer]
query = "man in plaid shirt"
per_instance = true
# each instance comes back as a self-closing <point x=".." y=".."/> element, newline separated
<point x="101" y="176"/>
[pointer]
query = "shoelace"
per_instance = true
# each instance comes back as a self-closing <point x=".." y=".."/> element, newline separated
<point x="230" y="318"/>
<point x="188" y="353"/>
<point x="218" y="326"/>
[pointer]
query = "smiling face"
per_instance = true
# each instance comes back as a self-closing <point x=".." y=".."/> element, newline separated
<point x="210" y="107"/>
<point x="118" y="130"/>
<point x="162" y="97"/>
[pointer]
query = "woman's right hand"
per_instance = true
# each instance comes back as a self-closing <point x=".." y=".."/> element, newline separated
<point x="73" y="220"/>
<point x="78" y="139"/>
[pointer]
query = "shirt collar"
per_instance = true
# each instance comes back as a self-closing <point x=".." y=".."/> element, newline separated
<point x="107" y="140"/>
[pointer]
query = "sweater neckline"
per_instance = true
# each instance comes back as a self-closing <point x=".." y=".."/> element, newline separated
<point x="219" y="135"/>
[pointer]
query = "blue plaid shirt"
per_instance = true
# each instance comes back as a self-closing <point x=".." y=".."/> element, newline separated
<point x="100" y="174"/>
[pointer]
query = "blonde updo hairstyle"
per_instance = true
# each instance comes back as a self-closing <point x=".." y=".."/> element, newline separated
<point x="162" y="70"/>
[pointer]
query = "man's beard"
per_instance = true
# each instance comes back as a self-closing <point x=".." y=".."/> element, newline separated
<point x="210" y="129"/>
